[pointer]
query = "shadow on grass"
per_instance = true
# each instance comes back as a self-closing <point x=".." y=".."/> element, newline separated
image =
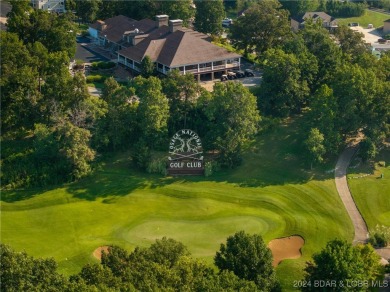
<point x="275" y="158"/>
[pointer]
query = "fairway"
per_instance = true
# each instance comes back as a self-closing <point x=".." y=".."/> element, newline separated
<point x="371" y="193"/>
<point x="271" y="193"/>
<point x="375" y="18"/>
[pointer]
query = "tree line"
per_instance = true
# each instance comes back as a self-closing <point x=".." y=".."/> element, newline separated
<point x="332" y="78"/>
<point x="244" y="263"/>
<point x="53" y="129"/>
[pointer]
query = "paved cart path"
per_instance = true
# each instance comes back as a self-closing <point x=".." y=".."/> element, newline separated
<point x="361" y="232"/>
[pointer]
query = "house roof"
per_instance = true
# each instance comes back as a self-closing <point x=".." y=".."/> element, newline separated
<point x="114" y="28"/>
<point x="315" y="16"/>
<point x="181" y="47"/>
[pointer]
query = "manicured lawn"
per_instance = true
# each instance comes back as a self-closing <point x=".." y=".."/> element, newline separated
<point x="271" y="193"/>
<point x="375" y="18"/>
<point x="372" y="193"/>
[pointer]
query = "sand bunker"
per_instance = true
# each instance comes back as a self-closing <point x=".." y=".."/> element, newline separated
<point x="286" y="248"/>
<point x="97" y="253"/>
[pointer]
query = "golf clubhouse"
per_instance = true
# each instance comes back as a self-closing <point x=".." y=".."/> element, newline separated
<point x="169" y="45"/>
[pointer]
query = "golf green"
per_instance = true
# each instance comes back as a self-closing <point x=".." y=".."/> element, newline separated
<point x="271" y="193"/>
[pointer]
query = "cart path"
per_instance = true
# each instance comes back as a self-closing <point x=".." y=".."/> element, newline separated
<point x="361" y="232"/>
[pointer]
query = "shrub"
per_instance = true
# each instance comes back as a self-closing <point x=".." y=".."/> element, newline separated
<point x="96" y="79"/>
<point x="380" y="237"/>
<point x="387" y="37"/>
<point x="210" y="167"/>
<point x="102" y="65"/>
<point x="157" y="166"/>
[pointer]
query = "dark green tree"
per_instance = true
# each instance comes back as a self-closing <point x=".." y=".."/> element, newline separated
<point x="328" y="54"/>
<point x="180" y="9"/>
<point x="351" y="42"/>
<point x="367" y="149"/>
<point x="283" y="90"/>
<point x="147" y="67"/>
<point x="182" y="92"/>
<point x="87" y="10"/>
<point x="323" y="115"/>
<point x="234" y="119"/>
<point x="209" y="16"/>
<point x="263" y="26"/>
<point x="341" y="261"/>
<point x="153" y="110"/>
<point x="248" y="257"/>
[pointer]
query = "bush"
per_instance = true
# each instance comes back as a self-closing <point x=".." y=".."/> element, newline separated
<point x="387" y="37"/>
<point x="210" y="167"/>
<point x="380" y="237"/>
<point x="102" y="65"/>
<point x="141" y="156"/>
<point x="96" y="79"/>
<point x="157" y="166"/>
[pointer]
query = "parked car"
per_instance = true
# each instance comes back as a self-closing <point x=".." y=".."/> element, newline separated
<point x="382" y="41"/>
<point x="239" y="73"/>
<point x="231" y="75"/>
<point x="370" y="25"/>
<point x="227" y="22"/>
<point x="224" y="77"/>
<point x="353" y="24"/>
<point x="249" y="73"/>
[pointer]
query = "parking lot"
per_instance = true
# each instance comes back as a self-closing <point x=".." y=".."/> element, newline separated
<point x="371" y="36"/>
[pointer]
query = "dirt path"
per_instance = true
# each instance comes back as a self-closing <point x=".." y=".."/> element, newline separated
<point x="360" y="226"/>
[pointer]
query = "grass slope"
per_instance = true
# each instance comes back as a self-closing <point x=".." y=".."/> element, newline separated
<point x="270" y="194"/>
<point x="371" y="193"/>
<point x="375" y="18"/>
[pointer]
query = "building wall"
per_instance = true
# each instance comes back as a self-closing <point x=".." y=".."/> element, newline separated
<point x="93" y="32"/>
<point x="386" y="27"/>
<point x="49" y="5"/>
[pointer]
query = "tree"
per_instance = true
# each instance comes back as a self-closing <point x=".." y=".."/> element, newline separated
<point x="323" y="115"/>
<point x="180" y="9"/>
<point x="263" y="26"/>
<point x="283" y="90"/>
<point x="248" y="257"/>
<point x="234" y="119"/>
<point x="314" y="146"/>
<point x="87" y="10"/>
<point x="19" y="85"/>
<point x="182" y="92"/>
<point x="209" y="16"/>
<point x="147" y="67"/>
<point x="351" y="42"/>
<point x="321" y="45"/>
<point x="153" y="110"/>
<point x="18" y="271"/>
<point x="367" y="149"/>
<point x="300" y="7"/>
<point x="341" y="261"/>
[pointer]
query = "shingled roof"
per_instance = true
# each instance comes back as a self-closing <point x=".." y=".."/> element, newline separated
<point x="315" y="16"/>
<point x="181" y="47"/>
<point x="114" y="28"/>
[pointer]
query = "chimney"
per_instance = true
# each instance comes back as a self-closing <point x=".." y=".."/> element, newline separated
<point x="175" y="25"/>
<point x="101" y="25"/>
<point x="161" y="20"/>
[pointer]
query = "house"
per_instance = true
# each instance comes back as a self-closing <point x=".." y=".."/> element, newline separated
<point x="169" y="45"/>
<point x="327" y="21"/>
<point x="386" y="27"/>
<point x="49" y="5"/>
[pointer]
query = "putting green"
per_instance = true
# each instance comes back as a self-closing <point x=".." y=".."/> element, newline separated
<point x="270" y="194"/>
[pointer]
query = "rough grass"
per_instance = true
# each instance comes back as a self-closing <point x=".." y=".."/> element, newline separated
<point x="375" y="18"/>
<point x="371" y="193"/>
<point x="271" y="194"/>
